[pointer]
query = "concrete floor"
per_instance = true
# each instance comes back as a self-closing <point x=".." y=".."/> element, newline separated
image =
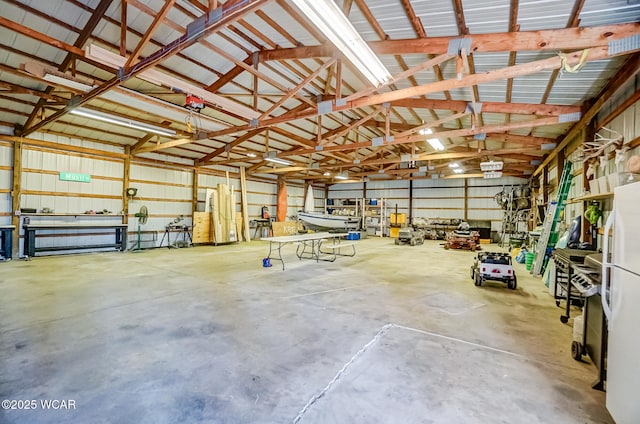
<point x="396" y="334"/>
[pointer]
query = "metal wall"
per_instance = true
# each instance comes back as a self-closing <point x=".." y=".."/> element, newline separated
<point x="6" y="164"/>
<point x="167" y="194"/>
<point x="69" y="201"/>
<point x="436" y="198"/>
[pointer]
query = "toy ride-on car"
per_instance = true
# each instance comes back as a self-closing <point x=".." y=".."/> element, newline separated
<point x="493" y="266"/>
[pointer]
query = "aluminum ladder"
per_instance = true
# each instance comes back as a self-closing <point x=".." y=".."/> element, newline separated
<point x="549" y="234"/>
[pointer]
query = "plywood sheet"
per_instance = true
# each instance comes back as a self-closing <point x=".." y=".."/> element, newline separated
<point x="202" y="231"/>
<point x="286" y="228"/>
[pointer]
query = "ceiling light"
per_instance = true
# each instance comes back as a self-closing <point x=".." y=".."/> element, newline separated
<point x="454" y="165"/>
<point x="458" y="170"/>
<point x="124" y="96"/>
<point x="434" y="142"/>
<point x="271" y="157"/>
<point x="154" y="76"/>
<point x="125" y="122"/>
<point x="65" y="82"/>
<point x="493" y="174"/>
<point x="491" y="166"/>
<point x="327" y="173"/>
<point x="251" y="155"/>
<point x="279" y="161"/>
<point x="342" y="176"/>
<point x="329" y="19"/>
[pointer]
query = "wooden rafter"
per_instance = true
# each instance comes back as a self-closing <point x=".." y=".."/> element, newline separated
<point x="555" y="39"/>
<point x="171" y="49"/>
<point x="157" y="20"/>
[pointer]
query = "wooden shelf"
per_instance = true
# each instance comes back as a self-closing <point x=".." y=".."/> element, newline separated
<point x="590" y="197"/>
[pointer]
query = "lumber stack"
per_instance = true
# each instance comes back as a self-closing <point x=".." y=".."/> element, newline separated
<point x="223" y="214"/>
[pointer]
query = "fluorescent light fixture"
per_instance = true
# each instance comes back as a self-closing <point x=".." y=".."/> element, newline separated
<point x="271" y="157"/>
<point x="154" y="76"/>
<point x="342" y="176"/>
<point x="251" y="155"/>
<point x="434" y="142"/>
<point x="491" y="166"/>
<point x="326" y="173"/>
<point x="458" y="170"/>
<point x="492" y="174"/>
<point x="454" y="165"/>
<point x="279" y="161"/>
<point x="125" y="122"/>
<point x="329" y="19"/>
<point x="67" y="82"/>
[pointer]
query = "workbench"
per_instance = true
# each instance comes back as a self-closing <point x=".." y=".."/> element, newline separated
<point x="6" y="241"/>
<point x="181" y="230"/>
<point x="311" y="246"/>
<point x="31" y="231"/>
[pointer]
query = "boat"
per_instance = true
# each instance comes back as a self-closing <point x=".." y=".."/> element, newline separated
<point x="324" y="221"/>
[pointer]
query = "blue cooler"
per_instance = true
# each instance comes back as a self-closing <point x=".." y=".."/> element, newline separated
<point x="353" y="235"/>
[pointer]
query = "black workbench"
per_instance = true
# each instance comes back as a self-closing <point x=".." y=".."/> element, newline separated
<point x="30" y="233"/>
<point x="6" y="240"/>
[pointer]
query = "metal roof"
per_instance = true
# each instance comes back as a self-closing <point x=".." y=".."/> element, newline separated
<point x="270" y="61"/>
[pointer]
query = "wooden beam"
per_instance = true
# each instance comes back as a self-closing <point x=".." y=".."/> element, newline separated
<point x="157" y="20"/>
<point x="556" y="39"/>
<point x="226" y="148"/>
<point x="230" y="13"/>
<point x="413" y="138"/>
<point x="16" y="193"/>
<point x="97" y="14"/>
<point x="123" y="27"/>
<point x="43" y="38"/>
<point x="297" y="88"/>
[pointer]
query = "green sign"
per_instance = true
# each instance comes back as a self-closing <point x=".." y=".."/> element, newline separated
<point x="72" y="176"/>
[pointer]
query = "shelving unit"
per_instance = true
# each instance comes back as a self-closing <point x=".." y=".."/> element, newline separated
<point x="589" y="197"/>
<point x="376" y="217"/>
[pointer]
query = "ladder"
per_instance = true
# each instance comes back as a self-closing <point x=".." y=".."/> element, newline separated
<point x="549" y="234"/>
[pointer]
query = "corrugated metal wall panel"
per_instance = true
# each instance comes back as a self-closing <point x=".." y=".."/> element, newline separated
<point x="6" y="182"/>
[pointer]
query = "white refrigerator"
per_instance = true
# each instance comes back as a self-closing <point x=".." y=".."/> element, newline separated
<point x="621" y="304"/>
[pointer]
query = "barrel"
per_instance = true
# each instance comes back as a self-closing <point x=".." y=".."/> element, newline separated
<point x="528" y="260"/>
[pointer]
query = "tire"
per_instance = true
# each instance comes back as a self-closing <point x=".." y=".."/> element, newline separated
<point x="576" y="351"/>
<point x="564" y="319"/>
<point x="412" y="242"/>
<point x="473" y="272"/>
<point x="397" y="241"/>
<point x="446" y="247"/>
<point x="513" y="284"/>
<point x="478" y="280"/>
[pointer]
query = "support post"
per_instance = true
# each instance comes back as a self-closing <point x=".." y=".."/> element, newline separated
<point x="15" y="195"/>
